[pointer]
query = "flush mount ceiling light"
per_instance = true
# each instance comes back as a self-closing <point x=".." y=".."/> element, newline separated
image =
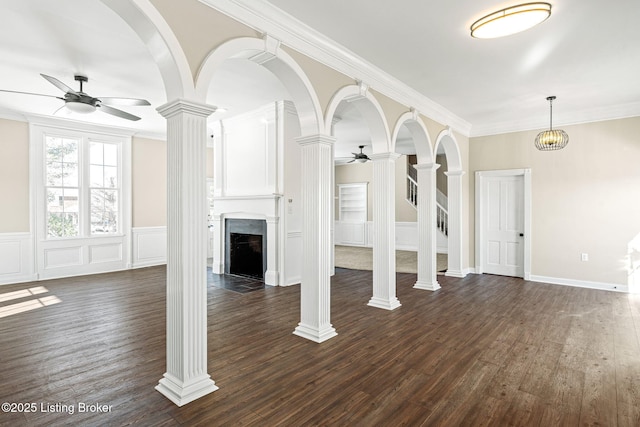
<point x="551" y="139"/>
<point x="510" y="20"/>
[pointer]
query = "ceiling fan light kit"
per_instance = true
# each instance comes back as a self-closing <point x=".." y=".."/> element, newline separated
<point x="552" y="139"/>
<point x="360" y="157"/>
<point x="80" y="102"/>
<point x="510" y="20"/>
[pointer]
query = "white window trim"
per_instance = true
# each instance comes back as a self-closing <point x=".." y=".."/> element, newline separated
<point x="86" y="254"/>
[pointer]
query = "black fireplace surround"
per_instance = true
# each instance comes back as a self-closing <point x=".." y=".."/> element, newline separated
<point x="246" y="247"/>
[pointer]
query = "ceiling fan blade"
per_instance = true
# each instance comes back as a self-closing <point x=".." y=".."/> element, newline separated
<point x="132" y="102"/>
<point x="119" y="113"/>
<point x="57" y="83"/>
<point x="30" y="93"/>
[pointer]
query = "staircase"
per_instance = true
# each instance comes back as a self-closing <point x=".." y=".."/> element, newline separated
<point x="442" y="215"/>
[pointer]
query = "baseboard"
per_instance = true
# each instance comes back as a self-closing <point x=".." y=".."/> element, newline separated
<point x="580" y="283"/>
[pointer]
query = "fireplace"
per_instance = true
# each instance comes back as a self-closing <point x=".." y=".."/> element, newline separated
<point x="246" y="247"/>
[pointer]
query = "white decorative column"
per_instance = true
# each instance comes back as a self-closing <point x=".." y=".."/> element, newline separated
<point x="186" y="378"/>
<point x="454" y="199"/>
<point x="384" y="232"/>
<point x="427" y="274"/>
<point x="271" y="276"/>
<point x="315" y="293"/>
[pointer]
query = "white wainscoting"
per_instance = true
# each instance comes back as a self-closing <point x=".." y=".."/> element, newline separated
<point x="149" y="246"/>
<point x="350" y="233"/>
<point x="293" y="260"/>
<point x="16" y="258"/>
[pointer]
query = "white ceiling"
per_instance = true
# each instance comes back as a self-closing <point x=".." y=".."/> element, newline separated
<point x="587" y="54"/>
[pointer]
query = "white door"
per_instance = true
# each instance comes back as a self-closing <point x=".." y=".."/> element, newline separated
<point x="503" y="219"/>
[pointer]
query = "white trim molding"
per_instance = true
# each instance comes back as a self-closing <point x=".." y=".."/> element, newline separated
<point x="579" y="283"/>
<point x="149" y="246"/>
<point x="16" y="258"/>
<point x="266" y="18"/>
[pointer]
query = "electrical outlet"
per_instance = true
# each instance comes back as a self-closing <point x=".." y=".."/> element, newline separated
<point x="585" y="257"/>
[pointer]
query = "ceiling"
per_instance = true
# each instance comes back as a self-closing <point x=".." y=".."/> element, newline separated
<point x="587" y="54"/>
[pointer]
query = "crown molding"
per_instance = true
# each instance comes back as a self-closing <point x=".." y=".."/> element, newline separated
<point x="263" y="17"/>
<point x="576" y="117"/>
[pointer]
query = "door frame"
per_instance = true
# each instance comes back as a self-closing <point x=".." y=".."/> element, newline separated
<point x="479" y="214"/>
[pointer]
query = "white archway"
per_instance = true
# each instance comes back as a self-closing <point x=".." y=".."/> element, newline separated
<point x="384" y="242"/>
<point x="371" y="111"/>
<point x="447" y="140"/>
<point x="316" y="166"/>
<point x="427" y="272"/>
<point x="267" y="52"/>
<point x="163" y="45"/>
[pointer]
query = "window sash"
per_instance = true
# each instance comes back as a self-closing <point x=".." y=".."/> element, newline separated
<point x="82" y="189"/>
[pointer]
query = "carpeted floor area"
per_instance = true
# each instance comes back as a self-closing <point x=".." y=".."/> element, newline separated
<point x="359" y="258"/>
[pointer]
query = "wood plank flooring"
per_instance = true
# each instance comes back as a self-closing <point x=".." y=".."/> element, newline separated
<point x="482" y="351"/>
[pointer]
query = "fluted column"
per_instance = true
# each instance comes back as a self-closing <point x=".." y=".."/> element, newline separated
<point x="427" y="273"/>
<point x="454" y="208"/>
<point x="186" y="378"/>
<point x="384" y="232"/>
<point x="315" y="293"/>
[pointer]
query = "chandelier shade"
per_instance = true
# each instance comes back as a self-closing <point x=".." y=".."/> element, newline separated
<point x="510" y="20"/>
<point x="552" y="139"/>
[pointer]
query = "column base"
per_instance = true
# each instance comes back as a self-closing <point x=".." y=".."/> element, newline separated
<point x="271" y="278"/>
<point x="391" y="304"/>
<point x="181" y="393"/>
<point x="434" y="286"/>
<point x="314" y="334"/>
<point x="217" y="267"/>
<point x="454" y="273"/>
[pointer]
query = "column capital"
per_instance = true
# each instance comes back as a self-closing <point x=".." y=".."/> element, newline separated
<point x="180" y="105"/>
<point x="316" y="139"/>
<point x="427" y="166"/>
<point x="384" y="156"/>
<point x="454" y="173"/>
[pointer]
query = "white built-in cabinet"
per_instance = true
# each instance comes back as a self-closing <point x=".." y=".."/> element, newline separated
<point x="352" y="202"/>
<point x="352" y="214"/>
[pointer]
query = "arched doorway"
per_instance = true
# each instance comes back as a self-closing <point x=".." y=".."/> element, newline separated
<point x="411" y="138"/>
<point x="312" y="197"/>
<point x="446" y="145"/>
<point x="371" y="115"/>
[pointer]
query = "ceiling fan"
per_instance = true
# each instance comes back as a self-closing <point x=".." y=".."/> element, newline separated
<point x="80" y="102"/>
<point x="360" y="157"/>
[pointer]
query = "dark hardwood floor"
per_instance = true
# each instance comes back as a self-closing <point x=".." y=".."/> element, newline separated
<point x="481" y="351"/>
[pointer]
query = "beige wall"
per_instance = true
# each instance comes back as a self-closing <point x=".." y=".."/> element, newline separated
<point x="585" y="198"/>
<point x="149" y="182"/>
<point x="441" y="178"/>
<point x="199" y="28"/>
<point x="14" y="176"/>
<point x="363" y="172"/>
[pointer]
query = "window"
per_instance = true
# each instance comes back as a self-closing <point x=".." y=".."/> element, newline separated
<point x="62" y="187"/>
<point x="104" y="189"/>
<point x="82" y="185"/>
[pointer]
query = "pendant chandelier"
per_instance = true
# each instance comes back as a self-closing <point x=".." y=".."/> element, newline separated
<point x="552" y="139"/>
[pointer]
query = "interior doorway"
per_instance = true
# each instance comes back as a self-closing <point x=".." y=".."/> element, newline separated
<point x="503" y="222"/>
